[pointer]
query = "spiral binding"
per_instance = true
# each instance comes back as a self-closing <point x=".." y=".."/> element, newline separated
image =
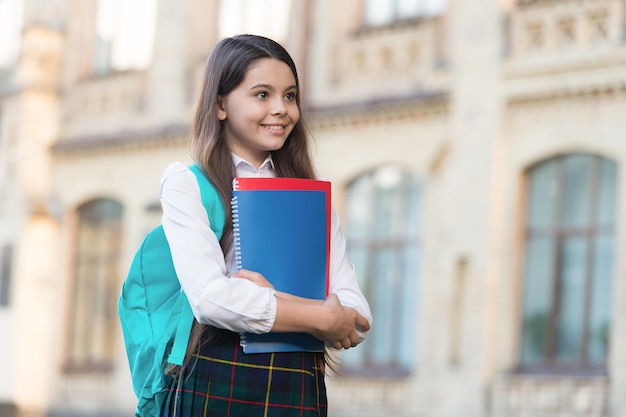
<point x="234" y="206"/>
<point x="236" y="234"/>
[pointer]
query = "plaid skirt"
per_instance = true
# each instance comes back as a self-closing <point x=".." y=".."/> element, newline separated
<point x="223" y="381"/>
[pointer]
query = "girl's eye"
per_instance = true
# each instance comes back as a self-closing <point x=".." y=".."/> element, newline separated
<point x="290" y="96"/>
<point x="261" y="95"/>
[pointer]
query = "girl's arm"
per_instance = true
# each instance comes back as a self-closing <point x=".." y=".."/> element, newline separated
<point x="328" y="320"/>
<point x="234" y="304"/>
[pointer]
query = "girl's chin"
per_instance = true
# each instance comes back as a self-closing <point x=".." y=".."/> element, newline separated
<point x="275" y="144"/>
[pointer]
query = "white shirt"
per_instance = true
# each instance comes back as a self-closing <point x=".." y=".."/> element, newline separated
<point x="234" y="304"/>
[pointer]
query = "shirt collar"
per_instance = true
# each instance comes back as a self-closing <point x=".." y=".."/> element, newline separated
<point x="240" y="163"/>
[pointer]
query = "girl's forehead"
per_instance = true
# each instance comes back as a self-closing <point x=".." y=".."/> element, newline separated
<point x="271" y="69"/>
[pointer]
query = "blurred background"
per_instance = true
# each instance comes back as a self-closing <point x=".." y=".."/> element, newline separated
<point x="475" y="149"/>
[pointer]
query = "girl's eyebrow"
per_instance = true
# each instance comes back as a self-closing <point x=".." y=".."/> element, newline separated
<point x="271" y="88"/>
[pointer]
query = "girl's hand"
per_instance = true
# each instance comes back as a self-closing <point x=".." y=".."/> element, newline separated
<point x="255" y="277"/>
<point x="340" y="325"/>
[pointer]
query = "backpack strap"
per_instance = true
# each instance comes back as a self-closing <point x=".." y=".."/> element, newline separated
<point x="183" y="331"/>
<point x="212" y="203"/>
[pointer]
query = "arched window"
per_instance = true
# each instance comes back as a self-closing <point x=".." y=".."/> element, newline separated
<point x="93" y="319"/>
<point x="383" y="229"/>
<point x="569" y="263"/>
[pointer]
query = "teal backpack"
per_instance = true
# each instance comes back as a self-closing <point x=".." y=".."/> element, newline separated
<point x="154" y="312"/>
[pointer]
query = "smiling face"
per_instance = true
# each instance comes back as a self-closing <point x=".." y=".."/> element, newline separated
<point x="260" y="113"/>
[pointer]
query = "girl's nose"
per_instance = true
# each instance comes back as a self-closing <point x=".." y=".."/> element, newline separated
<point x="279" y="107"/>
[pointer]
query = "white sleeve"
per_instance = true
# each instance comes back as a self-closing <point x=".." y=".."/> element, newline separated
<point x="343" y="281"/>
<point x="234" y="304"/>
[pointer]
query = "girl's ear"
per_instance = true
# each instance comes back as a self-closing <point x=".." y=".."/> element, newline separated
<point x="221" y="112"/>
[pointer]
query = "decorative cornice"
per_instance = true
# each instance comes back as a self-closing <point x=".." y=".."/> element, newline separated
<point x="564" y="93"/>
<point x="128" y="139"/>
<point x="552" y="87"/>
<point x="549" y="78"/>
<point x="378" y="109"/>
<point x="349" y="114"/>
<point x="394" y="26"/>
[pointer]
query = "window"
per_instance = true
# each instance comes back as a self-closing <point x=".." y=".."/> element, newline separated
<point x="268" y="18"/>
<point x="96" y="285"/>
<point x="6" y="259"/>
<point x="569" y="263"/>
<point x="125" y="33"/>
<point x="381" y="12"/>
<point x="10" y="31"/>
<point x="383" y="226"/>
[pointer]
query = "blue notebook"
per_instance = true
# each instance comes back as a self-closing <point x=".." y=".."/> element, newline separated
<point x="282" y="230"/>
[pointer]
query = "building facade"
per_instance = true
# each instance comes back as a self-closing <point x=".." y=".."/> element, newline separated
<point x="476" y="150"/>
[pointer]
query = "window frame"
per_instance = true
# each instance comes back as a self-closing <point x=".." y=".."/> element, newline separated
<point x="93" y="363"/>
<point x="374" y="248"/>
<point x="559" y="233"/>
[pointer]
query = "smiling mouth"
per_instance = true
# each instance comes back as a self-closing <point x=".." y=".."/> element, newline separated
<point x="274" y="128"/>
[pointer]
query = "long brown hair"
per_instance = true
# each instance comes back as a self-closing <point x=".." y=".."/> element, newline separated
<point x="225" y="69"/>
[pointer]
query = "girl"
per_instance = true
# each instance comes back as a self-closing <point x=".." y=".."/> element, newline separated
<point x="247" y="123"/>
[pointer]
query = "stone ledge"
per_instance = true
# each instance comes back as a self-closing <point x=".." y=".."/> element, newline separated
<point x="547" y="395"/>
<point x="155" y="136"/>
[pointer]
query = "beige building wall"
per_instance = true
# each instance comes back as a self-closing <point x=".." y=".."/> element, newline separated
<point x="409" y="95"/>
<point x="466" y="102"/>
<point x="12" y="213"/>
